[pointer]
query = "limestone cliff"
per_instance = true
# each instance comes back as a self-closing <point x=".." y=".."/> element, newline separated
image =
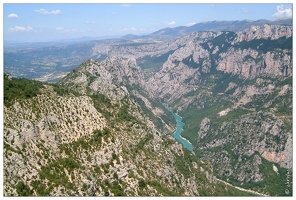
<point x="257" y="51"/>
<point x="105" y="77"/>
<point x="272" y="64"/>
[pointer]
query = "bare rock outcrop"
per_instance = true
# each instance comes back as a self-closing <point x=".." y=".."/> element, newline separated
<point x="264" y="32"/>
<point x="180" y="74"/>
<point x="250" y="63"/>
<point x="204" y="127"/>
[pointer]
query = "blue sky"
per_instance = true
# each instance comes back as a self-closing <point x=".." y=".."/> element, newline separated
<point x="48" y="22"/>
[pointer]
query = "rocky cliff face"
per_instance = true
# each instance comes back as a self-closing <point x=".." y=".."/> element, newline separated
<point x="233" y="92"/>
<point x="271" y="64"/>
<point x="258" y="51"/>
<point x="265" y="31"/>
<point x="105" y="77"/>
<point x="59" y="144"/>
<point x="138" y="50"/>
<point x="118" y="78"/>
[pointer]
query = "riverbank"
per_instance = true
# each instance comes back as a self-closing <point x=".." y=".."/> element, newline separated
<point x="185" y="139"/>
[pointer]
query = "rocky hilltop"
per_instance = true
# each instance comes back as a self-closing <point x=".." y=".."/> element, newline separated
<point x="105" y="77"/>
<point x="117" y="78"/>
<point x="58" y="142"/>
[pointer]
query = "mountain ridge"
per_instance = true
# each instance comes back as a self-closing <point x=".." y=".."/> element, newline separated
<point x="216" y="26"/>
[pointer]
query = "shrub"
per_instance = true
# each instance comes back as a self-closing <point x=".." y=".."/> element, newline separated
<point x="23" y="190"/>
<point x="142" y="183"/>
<point x="19" y="89"/>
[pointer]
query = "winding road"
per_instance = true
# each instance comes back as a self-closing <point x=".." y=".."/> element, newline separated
<point x="242" y="189"/>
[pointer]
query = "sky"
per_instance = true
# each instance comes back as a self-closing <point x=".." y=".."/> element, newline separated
<point x="35" y="22"/>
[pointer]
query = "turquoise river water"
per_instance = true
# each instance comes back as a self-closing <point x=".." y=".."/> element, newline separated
<point x="179" y="130"/>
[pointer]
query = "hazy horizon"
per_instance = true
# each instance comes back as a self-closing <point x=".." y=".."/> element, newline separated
<point x="53" y="22"/>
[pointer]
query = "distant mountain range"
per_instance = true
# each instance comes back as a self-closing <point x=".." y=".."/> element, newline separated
<point x="172" y="33"/>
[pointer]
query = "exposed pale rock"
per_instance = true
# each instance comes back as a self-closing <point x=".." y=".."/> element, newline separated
<point x="180" y="74"/>
<point x="107" y="76"/>
<point x="275" y="169"/>
<point x="231" y="85"/>
<point x="233" y="62"/>
<point x="265" y="31"/>
<point x="284" y="90"/>
<point x="224" y="112"/>
<point x="204" y="127"/>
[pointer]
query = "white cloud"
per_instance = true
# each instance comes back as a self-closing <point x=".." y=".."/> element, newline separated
<point x="60" y="28"/>
<point x="125" y="5"/>
<point x="46" y="12"/>
<point x="282" y="12"/>
<point x="171" y="23"/>
<point x="20" y="29"/>
<point x="129" y="29"/>
<point x="13" y="16"/>
<point x="190" y="24"/>
<point x="56" y="12"/>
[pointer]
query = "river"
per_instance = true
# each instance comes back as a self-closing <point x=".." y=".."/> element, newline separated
<point x="179" y="130"/>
